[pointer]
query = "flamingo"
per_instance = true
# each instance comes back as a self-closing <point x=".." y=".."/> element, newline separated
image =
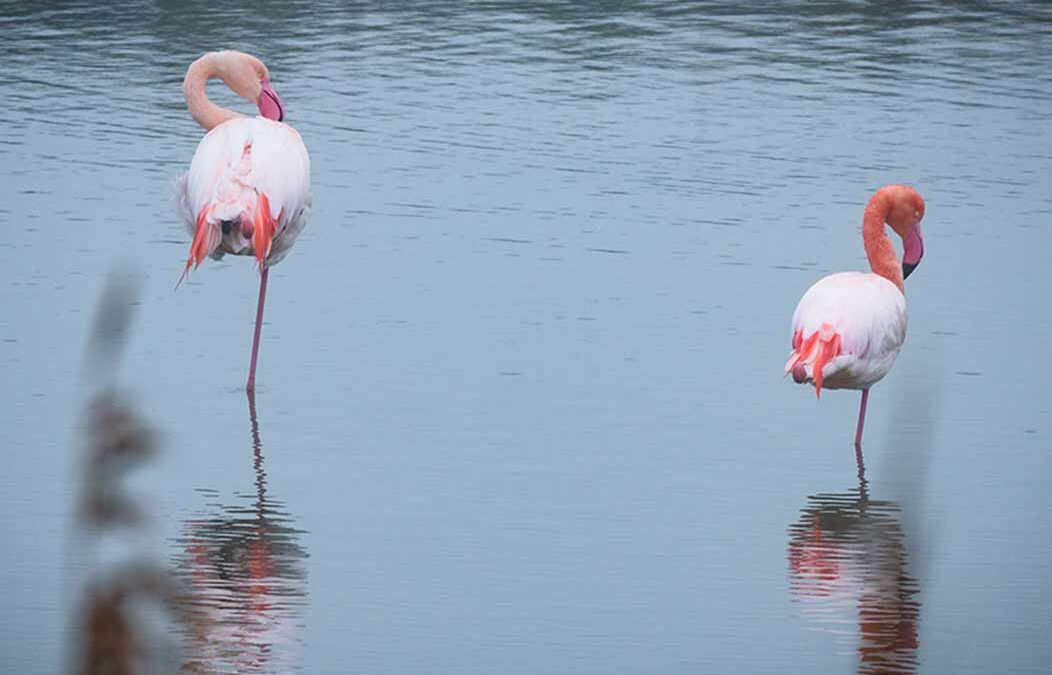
<point x="849" y="327"/>
<point x="248" y="188"/>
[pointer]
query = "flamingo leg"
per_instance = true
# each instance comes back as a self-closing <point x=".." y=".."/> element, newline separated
<point x="860" y="463"/>
<point x="251" y="386"/>
<point x="861" y="419"/>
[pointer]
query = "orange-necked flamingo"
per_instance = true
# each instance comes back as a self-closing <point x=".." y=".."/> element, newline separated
<point x="248" y="188"/>
<point x="849" y="326"/>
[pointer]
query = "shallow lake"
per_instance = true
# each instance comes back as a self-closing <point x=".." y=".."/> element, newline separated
<point x="521" y="405"/>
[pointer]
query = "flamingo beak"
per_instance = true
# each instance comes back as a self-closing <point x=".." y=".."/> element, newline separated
<point x="270" y="105"/>
<point x="913" y="250"/>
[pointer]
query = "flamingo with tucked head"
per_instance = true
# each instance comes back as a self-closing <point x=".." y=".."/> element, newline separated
<point x="849" y="327"/>
<point x="248" y="188"/>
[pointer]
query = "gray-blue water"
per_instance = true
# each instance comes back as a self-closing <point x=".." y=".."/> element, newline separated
<point x="521" y="406"/>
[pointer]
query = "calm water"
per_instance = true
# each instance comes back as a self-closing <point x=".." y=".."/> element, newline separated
<point x="521" y="407"/>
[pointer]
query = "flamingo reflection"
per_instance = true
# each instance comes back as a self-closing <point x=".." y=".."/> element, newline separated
<point x="849" y="567"/>
<point x="245" y="566"/>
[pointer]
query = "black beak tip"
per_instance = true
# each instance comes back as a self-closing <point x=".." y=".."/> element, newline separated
<point x="907" y="269"/>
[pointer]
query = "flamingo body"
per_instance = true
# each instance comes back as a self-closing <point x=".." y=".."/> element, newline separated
<point x="235" y="164"/>
<point x="866" y="312"/>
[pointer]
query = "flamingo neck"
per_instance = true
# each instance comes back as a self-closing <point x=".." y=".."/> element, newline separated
<point x="879" y="249"/>
<point x="207" y="114"/>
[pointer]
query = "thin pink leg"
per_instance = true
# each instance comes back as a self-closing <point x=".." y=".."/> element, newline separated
<point x="251" y="386"/>
<point x="861" y="418"/>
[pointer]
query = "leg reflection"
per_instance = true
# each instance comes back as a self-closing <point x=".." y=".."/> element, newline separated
<point x="245" y="565"/>
<point x="849" y="567"/>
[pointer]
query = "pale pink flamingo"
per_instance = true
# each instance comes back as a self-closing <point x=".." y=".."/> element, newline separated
<point x="849" y="326"/>
<point x="248" y="188"/>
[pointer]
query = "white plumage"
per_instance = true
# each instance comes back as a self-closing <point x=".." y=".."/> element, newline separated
<point x="233" y="165"/>
<point x="868" y="312"/>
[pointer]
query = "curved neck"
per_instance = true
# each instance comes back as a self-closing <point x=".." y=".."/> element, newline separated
<point x="207" y="114"/>
<point x="879" y="250"/>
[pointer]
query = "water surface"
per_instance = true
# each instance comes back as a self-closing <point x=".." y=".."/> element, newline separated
<point x="520" y="400"/>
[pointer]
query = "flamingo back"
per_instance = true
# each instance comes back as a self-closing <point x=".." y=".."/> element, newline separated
<point x="246" y="173"/>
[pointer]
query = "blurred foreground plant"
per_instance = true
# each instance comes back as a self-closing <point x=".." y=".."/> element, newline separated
<point x="125" y="598"/>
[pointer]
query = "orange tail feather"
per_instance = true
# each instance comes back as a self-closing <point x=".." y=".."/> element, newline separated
<point x="829" y="349"/>
<point x="819" y="348"/>
<point x="802" y="349"/>
<point x="200" y="247"/>
<point x="263" y="229"/>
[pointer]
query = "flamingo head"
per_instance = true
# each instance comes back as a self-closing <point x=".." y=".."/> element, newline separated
<point x="904" y="216"/>
<point x="249" y="79"/>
